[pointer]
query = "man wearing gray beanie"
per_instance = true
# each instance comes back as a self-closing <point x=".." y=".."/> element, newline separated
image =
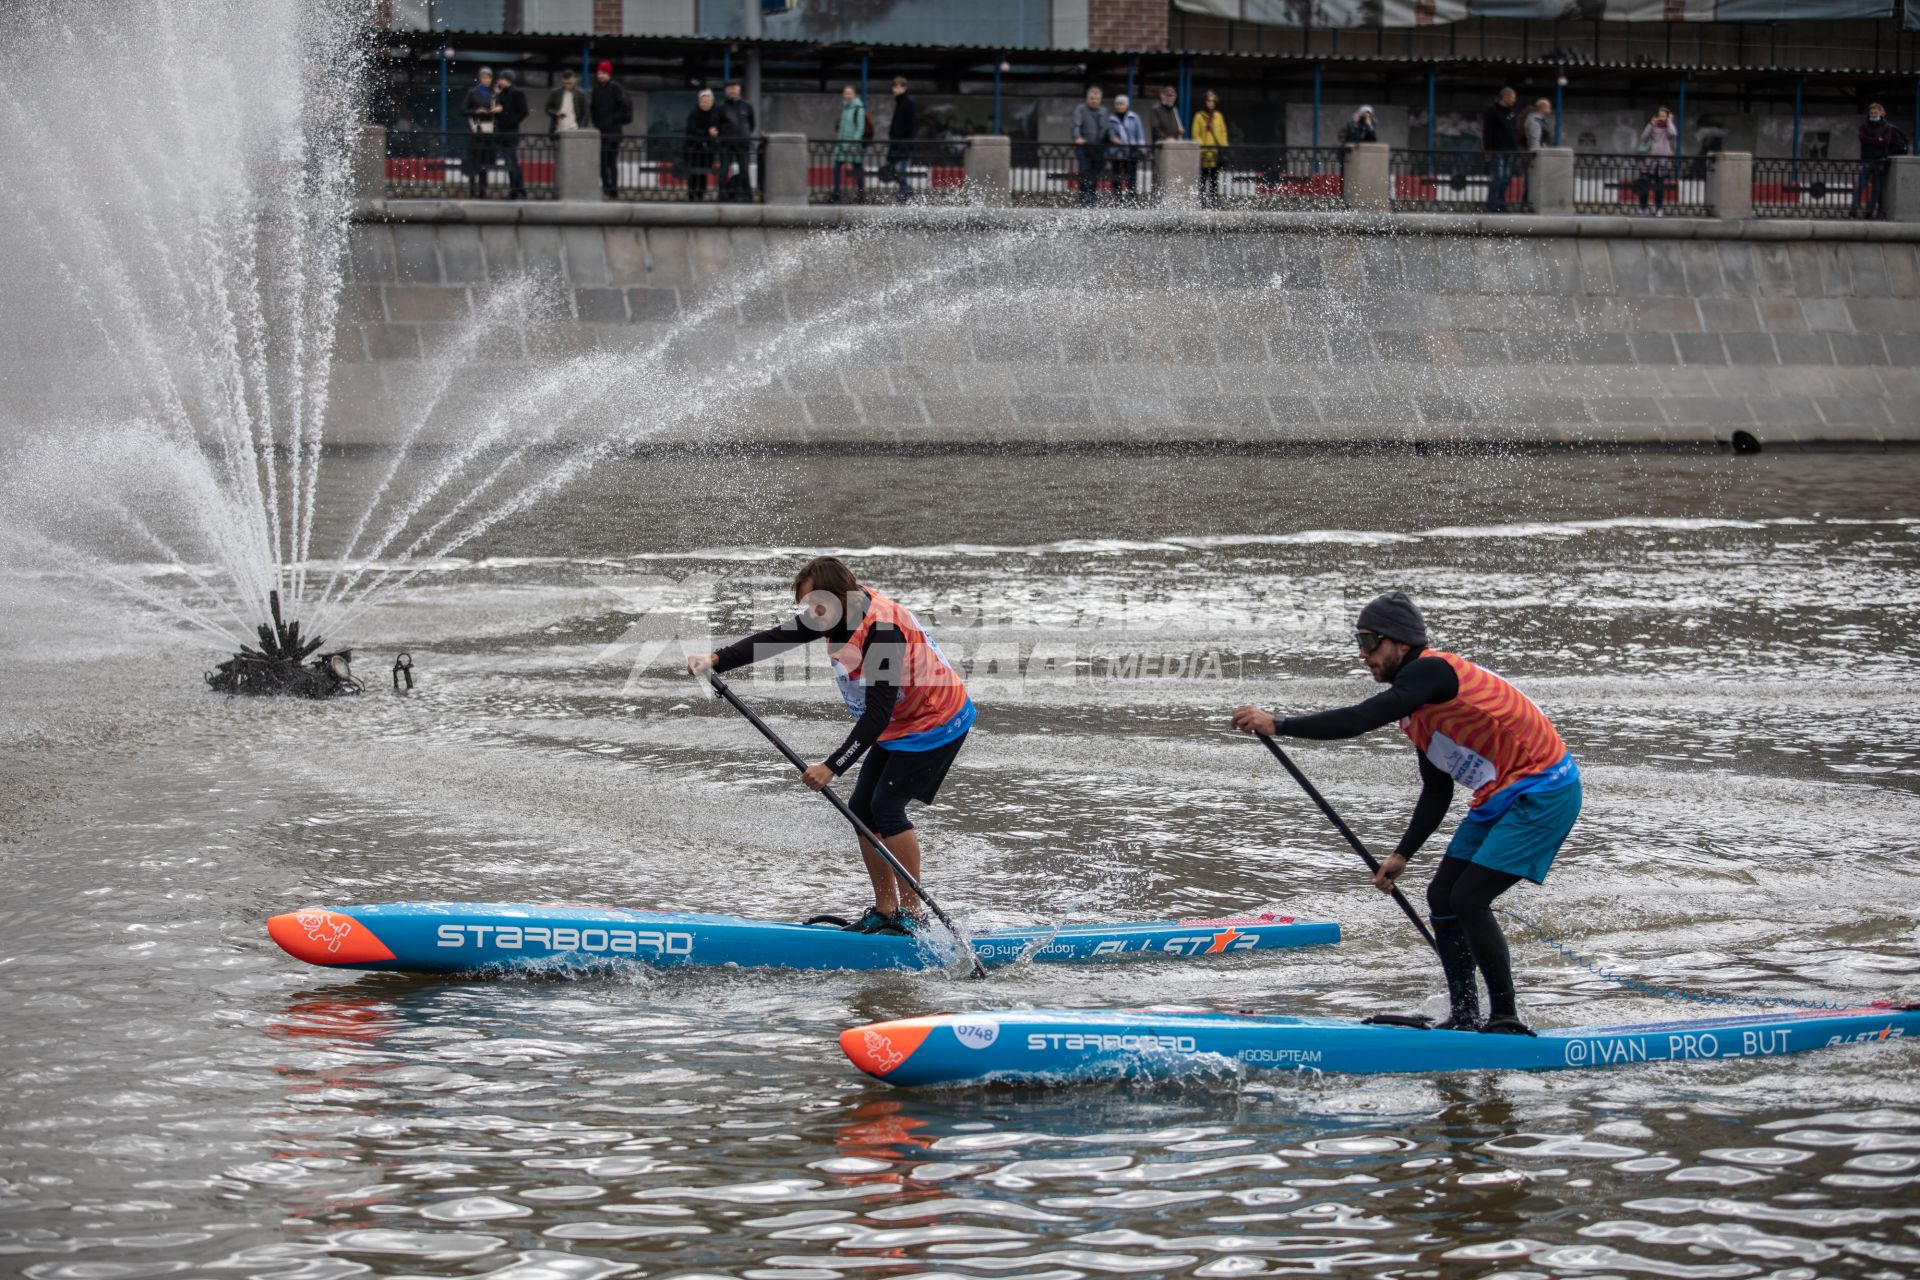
<point x="1469" y="726"/>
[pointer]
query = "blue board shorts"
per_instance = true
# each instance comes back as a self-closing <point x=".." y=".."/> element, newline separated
<point x="1523" y="840"/>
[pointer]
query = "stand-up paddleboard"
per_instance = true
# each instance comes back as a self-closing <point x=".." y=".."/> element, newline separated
<point x="1068" y="1045"/>
<point x="459" y="937"/>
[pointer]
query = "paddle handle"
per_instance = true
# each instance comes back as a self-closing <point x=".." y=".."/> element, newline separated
<point x="1373" y="863"/>
<point x="865" y="832"/>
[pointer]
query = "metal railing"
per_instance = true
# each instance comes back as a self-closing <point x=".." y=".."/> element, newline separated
<point x="1788" y="188"/>
<point x="467" y="166"/>
<point x="1459" y="181"/>
<point x="1276" y="178"/>
<point x="1640" y="184"/>
<point x="879" y="171"/>
<point x="1060" y="173"/>
<point x="674" y="167"/>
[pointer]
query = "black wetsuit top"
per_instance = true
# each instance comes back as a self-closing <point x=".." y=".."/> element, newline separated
<point x="883" y="657"/>
<point x="1419" y="682"/>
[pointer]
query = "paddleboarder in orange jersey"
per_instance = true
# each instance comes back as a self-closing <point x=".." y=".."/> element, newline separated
<point x="911" y="715"/>
<point x="1472" y="727"/>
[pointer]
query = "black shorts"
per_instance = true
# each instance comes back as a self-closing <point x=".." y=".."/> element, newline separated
<point x="889" y="779"/>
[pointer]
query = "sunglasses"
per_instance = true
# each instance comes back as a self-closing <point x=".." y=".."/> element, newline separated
<point x="1368" y="641"/>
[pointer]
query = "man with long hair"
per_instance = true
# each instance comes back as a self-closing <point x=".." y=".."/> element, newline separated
<point x="911" y="715"/>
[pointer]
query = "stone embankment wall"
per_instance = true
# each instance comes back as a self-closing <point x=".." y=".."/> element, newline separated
<point x="1166" y="326"/>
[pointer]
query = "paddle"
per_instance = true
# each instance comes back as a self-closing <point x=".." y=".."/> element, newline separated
<point x="1373" y="863"/>
<point x="865" y="832"/>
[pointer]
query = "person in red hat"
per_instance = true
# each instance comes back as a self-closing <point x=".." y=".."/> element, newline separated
<point x="611" y="109"/>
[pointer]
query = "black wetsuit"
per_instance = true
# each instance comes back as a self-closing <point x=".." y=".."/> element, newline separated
<point x="1460" y="895"/>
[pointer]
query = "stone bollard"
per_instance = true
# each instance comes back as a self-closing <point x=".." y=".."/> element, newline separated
<point x="1730" y="185"/>
<point x="1365" y="181"/>
<point x="370" y="164"/>
<point x="1903" y="189"/>
<point x="989" y="169"/>
<point x="1550" y="182"/>
<point x="786" y="170"/>
<point x="1176" y="171"/>
<point x="576" y="164"/>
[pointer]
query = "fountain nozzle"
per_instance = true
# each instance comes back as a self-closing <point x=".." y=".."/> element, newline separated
<point x="280" y="664"/>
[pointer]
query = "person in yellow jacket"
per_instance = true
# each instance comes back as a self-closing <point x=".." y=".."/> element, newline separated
<point x="1210" y="131"/>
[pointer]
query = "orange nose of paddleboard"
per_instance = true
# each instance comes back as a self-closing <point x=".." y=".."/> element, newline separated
<point x="326" y="937"/>
<point x="879" y="1048"/>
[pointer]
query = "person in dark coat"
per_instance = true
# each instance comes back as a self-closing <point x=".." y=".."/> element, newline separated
<point x="566" y="105"/>
<point x="1500" y="139"/>
<point x="1163" y="122"/>
<point x="1880" y="141"/>
<point x="510" y="112"/>
<point x="703" y="136"/>
<point x="611" y="109"/>
<point x="1361" y="128"/>
<point x="738" y="129"/>
<point x="480" y="109"/>
<point x="901" y="132"/>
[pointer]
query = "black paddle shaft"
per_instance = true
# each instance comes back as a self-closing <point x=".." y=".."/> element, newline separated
<point x="1373" y="864"/>
<point x="865" y="832"/>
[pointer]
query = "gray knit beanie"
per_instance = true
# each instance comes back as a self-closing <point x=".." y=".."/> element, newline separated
<point x="1393" y="616"/>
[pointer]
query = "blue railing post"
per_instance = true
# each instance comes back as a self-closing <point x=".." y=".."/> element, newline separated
<point x="1133" y="69"/>
<point x="1559" y="104"/>
<point x="1433" y="78"/>
<point x="443" y="95"/>
<point x="998" y="64"/>
<point x="1799" y="84"/>
<point x="586" y="62"/>
<point x="1680" y="126"/>
<point x="1316" y="105"/>
<point x="726" y="64"/>
<point x="863" y="81"/>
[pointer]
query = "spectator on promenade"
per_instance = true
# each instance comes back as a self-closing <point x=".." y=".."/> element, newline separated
<point x="702" y="134"/>
<point x="511" y="111"/>
<point x="1165" y="117"/>
<point x="1500" y="139"/>
<point x="738" y="128"/>
<point x="1656" y="150"/>
<point x="611" y="109"/>
<point x="1880" y="141"/>
<point x="1126" y="143"/>
<point x="479" y="109"/>
<point x="850" y="135"/>
<point x="1540" y="125"/>
<point x="1090" y="144"/>
<point x="1360" y="128"/>
<point x="1210" y="131"/>
<point x="566" y="106"/>
<point x="901" y="132"/>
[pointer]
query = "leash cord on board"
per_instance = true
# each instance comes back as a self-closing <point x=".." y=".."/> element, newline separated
<point x="1644" y="987"/>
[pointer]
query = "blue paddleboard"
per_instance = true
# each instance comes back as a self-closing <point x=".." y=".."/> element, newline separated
<point x="460" y="937"/>
<point x="1068" y="1045"/>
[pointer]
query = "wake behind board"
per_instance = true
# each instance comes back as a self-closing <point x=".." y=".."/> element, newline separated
<point x="460" y="937"/>
<point x="1063" y="1046"/>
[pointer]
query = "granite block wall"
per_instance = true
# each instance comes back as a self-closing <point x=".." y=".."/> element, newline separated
<point x="1180" y="330"/>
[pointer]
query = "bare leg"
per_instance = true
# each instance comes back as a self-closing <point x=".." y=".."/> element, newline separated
<point x="889" y="892"/>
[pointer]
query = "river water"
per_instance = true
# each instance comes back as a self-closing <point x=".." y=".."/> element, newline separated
<point x="1728" y="644"/>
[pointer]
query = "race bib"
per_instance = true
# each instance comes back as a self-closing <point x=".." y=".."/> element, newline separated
<point x="1463" y="764"/>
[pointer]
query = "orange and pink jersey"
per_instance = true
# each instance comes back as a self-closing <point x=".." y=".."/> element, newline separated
<point x="1492" y="738"/>
<point x="933" y="707"/>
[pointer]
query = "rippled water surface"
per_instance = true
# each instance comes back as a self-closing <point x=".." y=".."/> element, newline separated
<point x="1729" y="646"/>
